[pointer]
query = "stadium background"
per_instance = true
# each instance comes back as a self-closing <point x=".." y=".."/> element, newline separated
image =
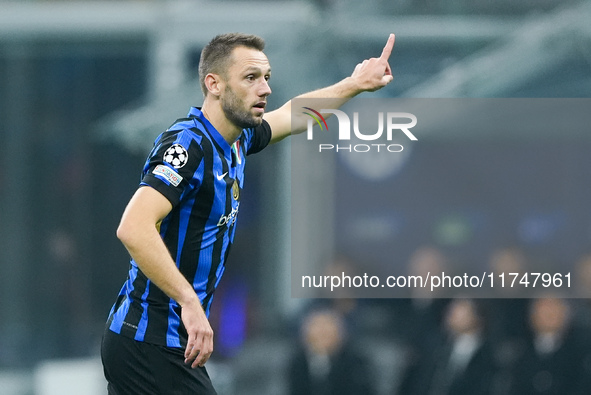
<point x="86" y="86"/>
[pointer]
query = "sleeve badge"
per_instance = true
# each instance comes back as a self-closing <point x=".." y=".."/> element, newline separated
<point x="176" y="155"/>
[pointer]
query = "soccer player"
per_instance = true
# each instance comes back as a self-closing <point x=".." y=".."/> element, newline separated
<point x="179" y="225"/>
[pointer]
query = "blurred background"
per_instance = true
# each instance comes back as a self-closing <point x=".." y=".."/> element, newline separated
<point x="85" y="87"/>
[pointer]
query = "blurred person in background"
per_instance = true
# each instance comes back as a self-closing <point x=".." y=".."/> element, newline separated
<point x="582" y="282"/>
<point x="340" y="299"/>
<point x="556" y="361"/>
<point x="326" y="362"/>
<point x="508" y="325"/>
<point x="463" y="363"/>
<point x="417" y="320"/>
<point x="582" y="276"/>
<point x="180" y="224"/>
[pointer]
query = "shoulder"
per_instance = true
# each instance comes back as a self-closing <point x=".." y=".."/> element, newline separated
<point x="184" y="133"/>
<point x="257" y="138"/>
<point x="186" y="130"/>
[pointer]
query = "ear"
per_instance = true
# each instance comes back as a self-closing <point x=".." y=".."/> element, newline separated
<point x="214" y="84"/>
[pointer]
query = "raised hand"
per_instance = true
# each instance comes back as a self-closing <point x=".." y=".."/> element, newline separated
<point x="375" y="73"/>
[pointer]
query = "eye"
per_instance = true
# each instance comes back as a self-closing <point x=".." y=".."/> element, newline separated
<point x="267" y="77"/>
<point x="250" y="77"/>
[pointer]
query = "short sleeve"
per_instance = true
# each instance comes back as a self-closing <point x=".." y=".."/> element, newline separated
<point x="174" y="166"/>
<point x="258" y="138"/>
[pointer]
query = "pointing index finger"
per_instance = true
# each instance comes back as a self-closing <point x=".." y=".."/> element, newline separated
<point x="388" y="48"/>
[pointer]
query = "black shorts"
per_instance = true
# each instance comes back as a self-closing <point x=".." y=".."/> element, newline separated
<point x="133" y="367"/>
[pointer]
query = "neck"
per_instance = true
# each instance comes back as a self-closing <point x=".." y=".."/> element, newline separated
<point x="212" y="110"/>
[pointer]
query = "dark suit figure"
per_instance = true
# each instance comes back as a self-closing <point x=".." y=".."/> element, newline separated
<point x="463" y="363"/>
<point x="325" y="364"/>
<point x="557" y="359"/>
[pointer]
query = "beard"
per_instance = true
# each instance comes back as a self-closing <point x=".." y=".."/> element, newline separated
<point x="234" y="110"/>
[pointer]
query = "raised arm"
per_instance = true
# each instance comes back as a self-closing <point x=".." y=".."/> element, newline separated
<point x="368" y="76"/>
<point x="138" y="233"/>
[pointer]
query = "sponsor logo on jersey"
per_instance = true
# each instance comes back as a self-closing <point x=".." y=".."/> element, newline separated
<point x="230" y="218"/>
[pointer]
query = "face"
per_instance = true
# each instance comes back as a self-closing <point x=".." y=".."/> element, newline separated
<point x="549" y="315"/>
<point x="461" y="317"/>
<point x="323" y="333"/>
<point x="244" y="94"/>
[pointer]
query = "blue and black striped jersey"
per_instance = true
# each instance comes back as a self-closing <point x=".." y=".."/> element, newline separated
<point x="202" y="176"/>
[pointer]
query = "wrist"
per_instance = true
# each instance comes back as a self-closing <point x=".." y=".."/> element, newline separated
<point x="351" y="87"/>
<point x="189" y="299"/>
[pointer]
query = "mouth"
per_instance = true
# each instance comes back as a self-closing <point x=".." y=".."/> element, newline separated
<point x="260" y="106"/>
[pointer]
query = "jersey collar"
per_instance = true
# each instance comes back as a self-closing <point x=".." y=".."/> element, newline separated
<point x="219" y="139"/>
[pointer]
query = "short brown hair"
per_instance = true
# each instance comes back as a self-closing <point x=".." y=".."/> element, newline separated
<point x="215" y="55"/>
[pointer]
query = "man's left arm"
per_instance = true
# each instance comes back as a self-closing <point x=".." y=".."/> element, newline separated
<point x="368" y="76"/>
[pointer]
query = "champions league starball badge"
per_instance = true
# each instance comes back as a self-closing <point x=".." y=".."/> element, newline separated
<point x="176" y="155"/>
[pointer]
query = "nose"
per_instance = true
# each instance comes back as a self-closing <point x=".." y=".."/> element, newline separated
<point x="264" y="89"/>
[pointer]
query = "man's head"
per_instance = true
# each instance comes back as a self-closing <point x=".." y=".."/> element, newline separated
<point x="234" y="72"/>
<point x="216" y="57"/>
<point x="549" y="315"/>
<point x="323" y="332"/>
<point x="464" y="316"/>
